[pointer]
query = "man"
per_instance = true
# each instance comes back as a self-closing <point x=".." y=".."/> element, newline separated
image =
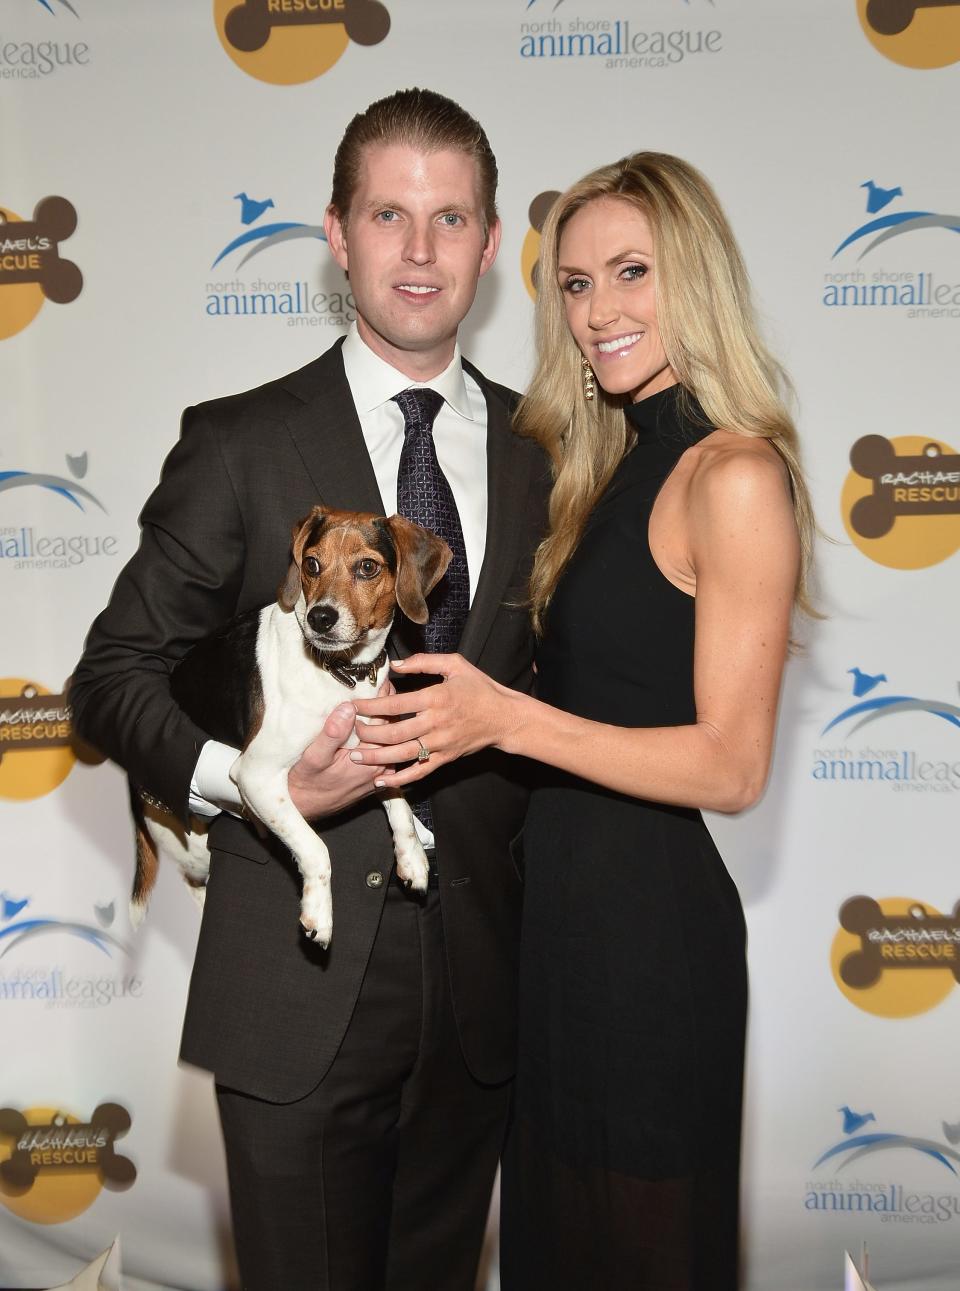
<point x="362" y="1090"/>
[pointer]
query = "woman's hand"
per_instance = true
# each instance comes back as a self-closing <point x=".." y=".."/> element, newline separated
<point x="466" y="712"/>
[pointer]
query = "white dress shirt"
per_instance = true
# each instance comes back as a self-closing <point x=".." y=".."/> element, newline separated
<point x="460" y="436"/>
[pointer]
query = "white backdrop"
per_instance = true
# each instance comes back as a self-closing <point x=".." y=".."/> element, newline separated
<point x="146" y="122"/>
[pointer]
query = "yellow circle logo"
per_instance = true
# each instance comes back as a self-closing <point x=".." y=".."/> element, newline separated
<point x="35" y="750"/>
<point x="895" y="957"/>
<point x="287" y="42"/>
<point x="913" y="33"/>
<point x="901" y="501"/>
<point x="20" y="301"/>
<point x="53" y="1165"/>
<point x="31" y="267"/>
<point x="530" y="251"/>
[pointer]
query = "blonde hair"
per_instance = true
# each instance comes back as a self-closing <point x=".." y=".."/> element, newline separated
<point x="709" y="336"/>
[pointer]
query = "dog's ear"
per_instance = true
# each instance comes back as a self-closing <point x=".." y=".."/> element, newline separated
<point x="289" y="591"/>
<point x="422" y="560"/>
<point x="303" y="531"/>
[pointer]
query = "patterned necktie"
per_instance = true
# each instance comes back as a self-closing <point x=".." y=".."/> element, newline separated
<point x="425" y="497"/>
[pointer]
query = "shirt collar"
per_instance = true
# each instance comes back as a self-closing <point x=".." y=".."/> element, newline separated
<point x="373" y="382"/>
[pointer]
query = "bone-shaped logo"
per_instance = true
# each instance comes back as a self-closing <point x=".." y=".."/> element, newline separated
<point x="63" y="1147"/>
<point x="249" y="24"/>
<point x="29" y="250"/>
<point x="891" y="17"/>
<point x="33" y="721"/>
<point x="926" y="484"/>
<point x="915" y="940"/>
<point x="530" y="255"/>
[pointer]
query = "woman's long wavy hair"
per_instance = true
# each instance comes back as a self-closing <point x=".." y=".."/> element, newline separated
<point x="710" y="337"/>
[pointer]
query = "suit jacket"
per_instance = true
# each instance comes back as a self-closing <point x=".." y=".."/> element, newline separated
<point x="267" y="1009"/>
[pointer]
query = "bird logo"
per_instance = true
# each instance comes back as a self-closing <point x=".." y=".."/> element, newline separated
<point x="879" y="706"/>
<point x="264" y="236"/>
<point x="863" y="683"/>
<point x="857" y="1144"/>
<point x="66" y="488"/>
<point x="77" y="465"/>
<point x="952" y="1132"/>
<point x="853" y="1121"/>
<point x="892" y="224"/>
<point x="878" y="198"/>
<point x="31" y="927"/>
<point x="250" y="208"/>
<point x="10" y="907"/>
<point x="105" y="914"/>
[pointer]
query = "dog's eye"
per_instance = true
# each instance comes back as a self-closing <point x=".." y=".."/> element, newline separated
<point x="311" y="566"/>
<point x="368" y="568"/>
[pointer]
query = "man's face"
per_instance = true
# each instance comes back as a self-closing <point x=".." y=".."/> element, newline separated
<point x="415" y="248"/>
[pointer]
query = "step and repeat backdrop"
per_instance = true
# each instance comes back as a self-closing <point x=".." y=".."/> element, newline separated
<point x="164" y="170"/>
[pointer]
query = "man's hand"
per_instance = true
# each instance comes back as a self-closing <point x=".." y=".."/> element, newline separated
<point x="325" y="781"/>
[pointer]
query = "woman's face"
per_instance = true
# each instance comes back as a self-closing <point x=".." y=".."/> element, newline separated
<point x="607" y="276"/>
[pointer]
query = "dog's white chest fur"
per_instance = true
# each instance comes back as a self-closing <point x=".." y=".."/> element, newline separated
<point x="298" y="695"/>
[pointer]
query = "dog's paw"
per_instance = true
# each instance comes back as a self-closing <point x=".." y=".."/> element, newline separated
<point x="319" y="936"/>
<point x="316" y="915"/>
<point x="412" y="867"/>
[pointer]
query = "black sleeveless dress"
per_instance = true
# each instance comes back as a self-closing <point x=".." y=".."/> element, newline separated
<point x="622" y="1167"/>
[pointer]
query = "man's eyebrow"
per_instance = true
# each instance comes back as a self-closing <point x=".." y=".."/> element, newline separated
<point x="384" y="203"/>
<point x="377" y="203"/>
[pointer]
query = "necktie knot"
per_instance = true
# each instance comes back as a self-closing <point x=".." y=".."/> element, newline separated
<point x="419" y="406"/>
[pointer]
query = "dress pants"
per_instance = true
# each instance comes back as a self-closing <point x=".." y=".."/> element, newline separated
<point x="380" y="1178"/>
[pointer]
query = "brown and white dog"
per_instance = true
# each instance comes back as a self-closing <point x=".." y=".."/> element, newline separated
<point x="269" y="679"/>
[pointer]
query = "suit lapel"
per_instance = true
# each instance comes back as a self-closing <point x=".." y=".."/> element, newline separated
<point x="327" y="435"/>
<point x="508" y="479"/>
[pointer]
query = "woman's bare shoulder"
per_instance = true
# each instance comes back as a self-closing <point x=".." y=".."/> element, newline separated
<point x="735" y="469"/>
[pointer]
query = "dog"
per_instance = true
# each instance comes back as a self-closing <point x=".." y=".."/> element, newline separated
<point x="269" y="679"/>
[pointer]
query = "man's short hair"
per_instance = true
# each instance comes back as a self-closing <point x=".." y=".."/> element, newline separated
<point x="420" y="119"/>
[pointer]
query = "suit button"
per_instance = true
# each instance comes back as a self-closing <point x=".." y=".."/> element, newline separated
<point x="374" y="879"/>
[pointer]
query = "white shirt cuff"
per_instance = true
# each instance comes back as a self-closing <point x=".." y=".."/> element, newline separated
<point x="211" y="789"/>
<point x="424" y="834"/>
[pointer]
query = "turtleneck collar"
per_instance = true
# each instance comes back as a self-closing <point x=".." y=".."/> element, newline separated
<point x="671" y="416"/>
<point x="656" y="412"/>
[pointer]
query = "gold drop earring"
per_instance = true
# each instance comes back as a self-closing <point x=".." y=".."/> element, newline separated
<point x="589" y="383"/>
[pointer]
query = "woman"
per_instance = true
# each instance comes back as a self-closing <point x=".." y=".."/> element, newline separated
<point x="679" y="540"/>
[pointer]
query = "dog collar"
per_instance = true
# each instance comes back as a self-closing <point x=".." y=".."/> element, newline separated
<point x="350" y="673"/>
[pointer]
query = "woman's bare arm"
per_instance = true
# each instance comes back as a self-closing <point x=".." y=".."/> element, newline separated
<point x="744" y="550"/>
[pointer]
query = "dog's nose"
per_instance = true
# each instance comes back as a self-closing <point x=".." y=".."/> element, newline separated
<point x="322" y="617"/>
